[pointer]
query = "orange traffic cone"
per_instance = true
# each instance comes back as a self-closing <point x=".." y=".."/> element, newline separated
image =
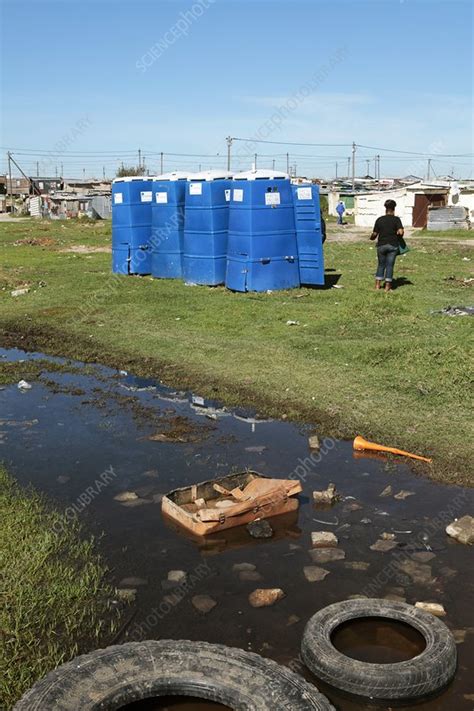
<point x="360" y="443"/>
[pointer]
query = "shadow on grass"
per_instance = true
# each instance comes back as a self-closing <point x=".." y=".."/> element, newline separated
<point x="401" y="281"/>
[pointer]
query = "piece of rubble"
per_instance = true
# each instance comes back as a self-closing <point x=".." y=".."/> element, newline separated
<point x="127" y="594"/>
<point x="250" y="575"/>
<point x="240" y="567"/>
<point x="314" y="574"/>
<point x="418" y="572"/>
<point x="434" y="607"/>
<point x="260" y="529"/>
<point x="353" y="506"/>
<point x="462" y="529"/>
<point x="388" y="491"/>
<point x="403" y="494"/>
<point x="19" y="292"/>
<point x="177" y="576"/>
<point x="24" y="385"/>
<point x="383" y="546"/>
<point x="387" y="536"/>
<point x="203" y="603"/>
<point x="326" y="496"/>
<point x="357" y="565"/>
<point x="313" y="442"/>
<point x="264" y="597"/>
<point x="132" y="582"/>
<point x="326" y="555"/>
<point x="323" y="539"/>
<point x="126" y="496"/>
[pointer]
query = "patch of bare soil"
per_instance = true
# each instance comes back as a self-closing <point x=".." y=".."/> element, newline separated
<point x="84" y="249"/>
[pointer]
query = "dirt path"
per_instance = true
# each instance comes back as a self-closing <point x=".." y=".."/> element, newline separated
<point x="352" y="233"/>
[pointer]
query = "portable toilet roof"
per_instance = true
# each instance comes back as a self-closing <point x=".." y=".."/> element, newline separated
<point x="129" y="178"/>
<point x="174" y="175"/>
<point x="260" y="174"/>
<point x="209" y="175"/>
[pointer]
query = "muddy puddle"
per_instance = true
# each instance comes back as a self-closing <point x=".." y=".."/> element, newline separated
<point x="106" y="446"/>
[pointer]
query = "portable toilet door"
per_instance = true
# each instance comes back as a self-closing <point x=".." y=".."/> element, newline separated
<point x="206" y="220"/>
<point x="167" y="225"/>
<point x="131" y="224"/>
<point x="262" y="253"/>
<point x="309" y="235"/>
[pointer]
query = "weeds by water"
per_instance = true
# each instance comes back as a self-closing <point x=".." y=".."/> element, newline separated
<point x="55" y="603"/>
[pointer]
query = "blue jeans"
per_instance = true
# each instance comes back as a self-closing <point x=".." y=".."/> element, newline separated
<point x="386" y="254"/>
<point x="339" y="218"/>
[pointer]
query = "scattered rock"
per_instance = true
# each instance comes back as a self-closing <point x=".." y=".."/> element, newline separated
<point x="459" y="636"/>
<point x="435" y="608"/>
<point x="323" y="539"/>
<point x="132" y="582"/>
<point x="383" y="546"/>
<point x="126" y="496"/>
<point x="252" y="575"/>
<point x="127" y="594"/>
<point x="135" y="502"/>
<point x="326" y="555"/>
<point x="313" y="574"/>
<point x="423" y="556"/>
<point x="387" y="536"/>
<point x="313" y="442"/>
<point x="240" y="567"/>
<point x="395" y="598"/>
<point x="203" y="603"/>
<point x="403" y="494"/>
<point x="388" y="491"/>
<point x="357" y="565"/>
<point x="366" y="521"/>
<point x="292" y="620"/>
<point x="19" y="292"/>
<point x="462" y="529"/>
<point x="326" y="496"/>
<point x="260" y="529"/>
<point x="24" y="385"/>
<point x="263" y="597"/>
<point x="177" y="576"/>
<point x="418" y="572"/>
<point x="292" y="323"/>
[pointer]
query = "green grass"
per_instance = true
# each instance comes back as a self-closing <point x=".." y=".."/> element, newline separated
<point x="55" y="603"/>
<point x="360" y="362"/>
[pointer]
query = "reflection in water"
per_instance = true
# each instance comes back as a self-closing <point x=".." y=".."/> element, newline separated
<point x="378" y="640"/>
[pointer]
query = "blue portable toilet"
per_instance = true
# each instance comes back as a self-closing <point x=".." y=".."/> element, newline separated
<point x="131" y="225"/>
<point x="262" y="253"/>
<point x="206" y="220"/>
<point x="309" y="233"/>
<point x="167" y="225"/>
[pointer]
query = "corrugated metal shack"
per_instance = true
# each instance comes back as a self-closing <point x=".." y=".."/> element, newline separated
<point x="453" y="217"/>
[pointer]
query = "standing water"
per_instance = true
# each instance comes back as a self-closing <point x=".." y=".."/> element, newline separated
<point x="71" y="427"/>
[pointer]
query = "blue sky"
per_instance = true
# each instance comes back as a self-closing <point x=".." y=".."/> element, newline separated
<point x="179" y="77"/>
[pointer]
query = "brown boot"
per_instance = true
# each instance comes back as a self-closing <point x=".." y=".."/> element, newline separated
<point x="388" y="286"/>
<point x="378" y="283"/>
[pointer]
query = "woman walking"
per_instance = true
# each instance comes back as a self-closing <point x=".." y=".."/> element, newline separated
<point x="388" y="231"/>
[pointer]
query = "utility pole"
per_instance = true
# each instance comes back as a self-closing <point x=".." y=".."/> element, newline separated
<point x="378" y="163"/>
<point x="83" y="173"/>
<point x="56" y="171"/>
<point x="62" y="171"/>
<point x="255" y="161"/>
<point x="12" y="207"/>
<point x="273" y="164"/>
<point x="161" y="162"/>
<point x="288" y="163"/>
<point x="336" y="170"/>
<point x="375" y="167"/>
<point x="139" y="159"/>
<point x="429" y="169"/>
<point x="353" y="164"/>
<point x="229" y="144"/>
<point x="103" y="172"/>
<point x="143" y="165"/>
<point x="348" y="167"/>
<point x="368" y="166"/>
<point x="37" y="169"/>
